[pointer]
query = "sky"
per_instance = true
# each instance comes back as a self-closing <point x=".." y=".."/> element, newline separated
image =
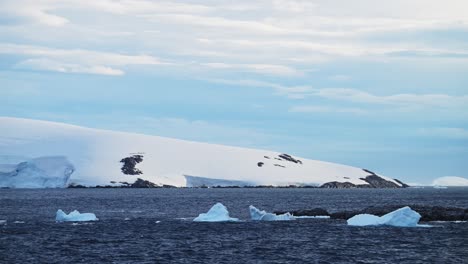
<point x="381" y="85"/>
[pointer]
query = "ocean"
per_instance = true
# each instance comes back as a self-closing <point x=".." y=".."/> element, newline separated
<point x="155" y="226"/>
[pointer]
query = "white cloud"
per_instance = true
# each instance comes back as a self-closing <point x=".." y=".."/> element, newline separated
<point x="270" y="69"/>
<point x="403" y="102"/>
<point x="266" y="37"/>
<point x="326" y="109"/>
<point x="50" y="65"/>
<point x="75" y="60"/>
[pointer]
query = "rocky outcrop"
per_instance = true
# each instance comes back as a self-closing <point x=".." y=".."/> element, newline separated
<point x="306" y="212"/>
<point x="289" y="158"/>
<point x="140" y="183"/>
<point x="427" y="212"/>
<point x="373" y="181"/>
<point x="129" y="164"/>
<point x="338" y="185"/>
<point x="404" y="185"/>
<point x="377" y="182"/>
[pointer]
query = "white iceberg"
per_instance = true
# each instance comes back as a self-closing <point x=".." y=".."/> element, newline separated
<point x="257" y="215"/>
<point x="74" y="216"/>
<point x="404" y="217"/>
<point x="217" y="213"/>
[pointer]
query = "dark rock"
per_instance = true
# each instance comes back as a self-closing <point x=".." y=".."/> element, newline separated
<point x="260" y="164"/>
<point x="306" y="212"/>
<point x="289" y="158"/>
<point x="378" y="182"/>
<point x="266" y="157"/>
<point x="140" y="183"/>
<point x="368" y="171"/>
<point x="404" y="185"/>
<point x="129" y="164"/>
<point x="338" y="185"/>
<point x="77" y="186"/>
<point x="278" y="165"/>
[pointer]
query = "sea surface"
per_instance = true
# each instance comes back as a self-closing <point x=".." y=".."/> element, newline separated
<point x="155" y="226"/>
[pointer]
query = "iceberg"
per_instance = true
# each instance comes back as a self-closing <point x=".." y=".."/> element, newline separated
<point x="42" y="172"/>
<point x="74" y="216"/>
<point x="257" y="215"/>
<point x="217" y="213"/>
<point x="403" y="217"/>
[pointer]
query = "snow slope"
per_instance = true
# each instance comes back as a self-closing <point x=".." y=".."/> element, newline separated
<point x="93" y="156"/>
<point x="450" y="181"/>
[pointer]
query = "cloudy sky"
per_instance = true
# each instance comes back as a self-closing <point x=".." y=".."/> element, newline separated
<point x="376" y="84"/>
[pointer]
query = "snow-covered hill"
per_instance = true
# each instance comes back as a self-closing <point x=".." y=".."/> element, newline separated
<point x="46" y="154"/>
<point x="450" y="181"/>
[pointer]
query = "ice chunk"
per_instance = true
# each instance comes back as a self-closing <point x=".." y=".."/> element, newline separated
<point x="217" y="213"/>
<point x="405" y="217"/>
<point x="74" y="216"/>
<point x="256" y="214"/>
<point x="364" y="220"/>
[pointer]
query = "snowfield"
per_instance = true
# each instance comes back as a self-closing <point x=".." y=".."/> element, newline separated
<point x="450" y="181"/>
<point x="39" y="154"/>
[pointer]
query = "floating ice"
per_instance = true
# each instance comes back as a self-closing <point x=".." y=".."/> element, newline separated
<point x="74" y="216"/>
<point x="405" y="217"/>
<point x="258" y="215"/>
<point x="217" y="213"/>
<point x="3" y="222"/>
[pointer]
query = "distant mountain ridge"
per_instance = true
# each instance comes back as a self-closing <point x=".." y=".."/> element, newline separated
<point x="43" y="154"/>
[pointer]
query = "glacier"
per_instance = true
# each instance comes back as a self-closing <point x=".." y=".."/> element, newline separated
<point x="257" y="215"/>
<point x="42" y="172"/>
<point x="43" y="154"/>
<point x="217" y="213"/>
<point x="403" y="217"/>
<point x="74" y="216"/>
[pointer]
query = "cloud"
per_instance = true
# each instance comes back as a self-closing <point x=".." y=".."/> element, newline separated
<point x="326" y="109"/>
<point x="269" y="69"/>
<point x="75" y="60"/>
<point x="33" y="11"/>
<point x="50" y="65"/>
<point x="356" y="96"/>
<point x="445" y="132"/>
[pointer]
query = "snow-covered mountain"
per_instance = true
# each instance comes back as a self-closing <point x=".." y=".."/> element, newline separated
<point x="38" y="154"/>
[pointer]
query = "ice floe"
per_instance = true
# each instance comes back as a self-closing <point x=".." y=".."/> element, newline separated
<point x="74" y="216"/>
<point x="217" y="213"/>
<point x="257" y="215"/>
<point x="404" y="217"/>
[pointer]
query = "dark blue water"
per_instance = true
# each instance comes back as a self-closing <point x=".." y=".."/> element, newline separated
<point x="154" y="226"/>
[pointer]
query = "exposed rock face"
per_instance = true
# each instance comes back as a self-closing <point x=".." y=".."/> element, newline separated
<point x="373" y="180"/>
<point x="404" y="185"/>
<point x="289" y="158"/>
<point x="129" y="164"/>
<point x="428" y="213"/>
<point x="140" y="183"/>
<point x="378" y="182"/>
<point x="306" y="212"/>
<point x="338" y="185"/>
